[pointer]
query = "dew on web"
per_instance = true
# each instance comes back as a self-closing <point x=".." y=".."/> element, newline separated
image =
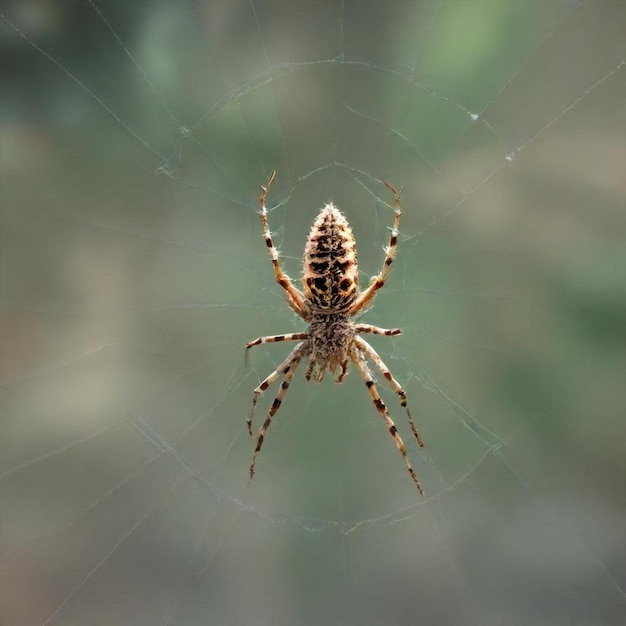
<point x="135" y="140"/>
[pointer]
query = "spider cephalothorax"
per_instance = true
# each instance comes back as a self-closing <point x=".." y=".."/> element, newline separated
<point x="329" y="301"/>
<point x="330" y="339"/>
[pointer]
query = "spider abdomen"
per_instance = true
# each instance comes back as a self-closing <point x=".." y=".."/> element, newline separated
<point x="330" y="274"/>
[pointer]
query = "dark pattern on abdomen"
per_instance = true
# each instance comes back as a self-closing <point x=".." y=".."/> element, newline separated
<point x="330" y="269"/>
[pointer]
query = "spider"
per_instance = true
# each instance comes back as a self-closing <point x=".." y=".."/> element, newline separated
<point x="329" y="300"/>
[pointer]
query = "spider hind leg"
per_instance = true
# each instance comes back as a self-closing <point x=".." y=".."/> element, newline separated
<point x="295" y="298"/>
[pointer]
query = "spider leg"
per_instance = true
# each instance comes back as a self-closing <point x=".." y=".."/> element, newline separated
<point x="376" y="330"/>
<point x="273" y="338"/>
<point x="309" y="368"/>
<point x="359" y="361"/>
<point x="379" y="280"/>
<point x="295" y="298"/>
<point x="380" y="364"/>
<point x="344" y="372"/>
<point x="313" y="370"/>
<point x="288" y="370"/>
<point x="294" y="357"/>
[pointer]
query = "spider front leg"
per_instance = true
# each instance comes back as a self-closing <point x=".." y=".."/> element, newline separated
<point x="288" y="368"/>
<point x="380" y="364"/>
<point x="359" y="361"/>
<point x="379" y="280"/>
<point x="295" y="298"/>
<point x="294" y="357"/>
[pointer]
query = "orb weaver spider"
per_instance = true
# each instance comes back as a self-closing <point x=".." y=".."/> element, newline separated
<point x="329" y="300"/>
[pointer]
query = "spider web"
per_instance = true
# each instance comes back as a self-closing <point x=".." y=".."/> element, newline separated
<point x="135" y="137"/>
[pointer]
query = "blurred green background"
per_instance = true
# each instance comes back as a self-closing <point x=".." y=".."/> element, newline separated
<point x="134" y="140"/>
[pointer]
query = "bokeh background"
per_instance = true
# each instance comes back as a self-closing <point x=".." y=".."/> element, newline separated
<point x="134" y="140"/>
